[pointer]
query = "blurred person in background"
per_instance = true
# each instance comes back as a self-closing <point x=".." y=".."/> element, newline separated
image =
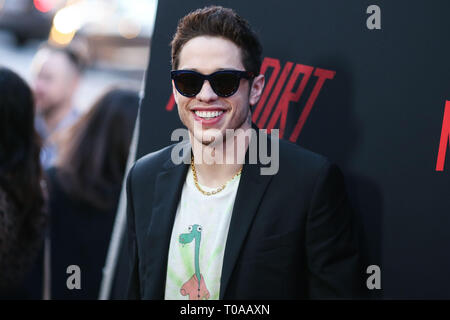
<point x="23" y="214"/>
<point x="56" y="73"/>
<point x="84" y="189"/>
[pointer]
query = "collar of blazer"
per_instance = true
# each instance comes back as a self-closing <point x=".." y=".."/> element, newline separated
<point x="167" y="193"/>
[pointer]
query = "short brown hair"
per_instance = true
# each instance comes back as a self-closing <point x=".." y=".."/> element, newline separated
<point x="221" y="22"/>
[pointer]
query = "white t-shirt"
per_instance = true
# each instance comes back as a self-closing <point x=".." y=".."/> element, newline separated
<point x="197" y="244"/>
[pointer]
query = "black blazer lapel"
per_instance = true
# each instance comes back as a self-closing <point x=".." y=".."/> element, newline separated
<point x="167" y="193"/>
<point x="249" y="194"/>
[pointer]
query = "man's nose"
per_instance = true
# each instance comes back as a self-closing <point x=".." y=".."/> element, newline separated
<point x="206" y="93"/>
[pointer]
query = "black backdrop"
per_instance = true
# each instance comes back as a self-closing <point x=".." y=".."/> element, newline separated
<point x="378" y="114"/>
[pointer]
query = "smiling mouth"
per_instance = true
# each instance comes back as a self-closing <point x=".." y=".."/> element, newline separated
<point x="207" y="114"/>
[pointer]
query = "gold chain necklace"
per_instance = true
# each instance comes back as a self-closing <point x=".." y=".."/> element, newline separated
<point x="206" y="193"/>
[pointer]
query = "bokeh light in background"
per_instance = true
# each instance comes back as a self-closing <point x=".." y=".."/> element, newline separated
<point x="68" y="19"/>
<point x="113" y="34"/>
<point x="128" y="28"/>
<point x="127" y="18"/>
<point x="44" y="5"/>
<point x="66" y="23"/>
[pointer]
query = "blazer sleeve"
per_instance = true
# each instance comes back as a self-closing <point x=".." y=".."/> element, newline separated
<point x="332" y="249"/>
<point x="133" y="292"/>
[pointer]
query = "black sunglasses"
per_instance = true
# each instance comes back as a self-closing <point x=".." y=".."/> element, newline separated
<point x="225" y="83"/>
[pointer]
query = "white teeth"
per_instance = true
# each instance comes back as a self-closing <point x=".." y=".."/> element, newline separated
<point x="208" y="114"/>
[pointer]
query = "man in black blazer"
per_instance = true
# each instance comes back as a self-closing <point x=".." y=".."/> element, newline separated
<point x="285" y="235"/>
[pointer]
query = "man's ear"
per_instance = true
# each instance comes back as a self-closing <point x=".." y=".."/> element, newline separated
<point x="256" y="89"/>
<point x="174" y="92"/>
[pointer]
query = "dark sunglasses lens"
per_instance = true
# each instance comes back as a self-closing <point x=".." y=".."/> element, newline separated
<point x="225" y="84"/>
<point x="188" y="84"/>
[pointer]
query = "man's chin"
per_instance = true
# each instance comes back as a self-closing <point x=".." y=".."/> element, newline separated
<point x="209" y="140"/>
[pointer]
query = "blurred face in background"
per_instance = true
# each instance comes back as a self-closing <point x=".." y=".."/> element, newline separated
<point x="55" y="80"/>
